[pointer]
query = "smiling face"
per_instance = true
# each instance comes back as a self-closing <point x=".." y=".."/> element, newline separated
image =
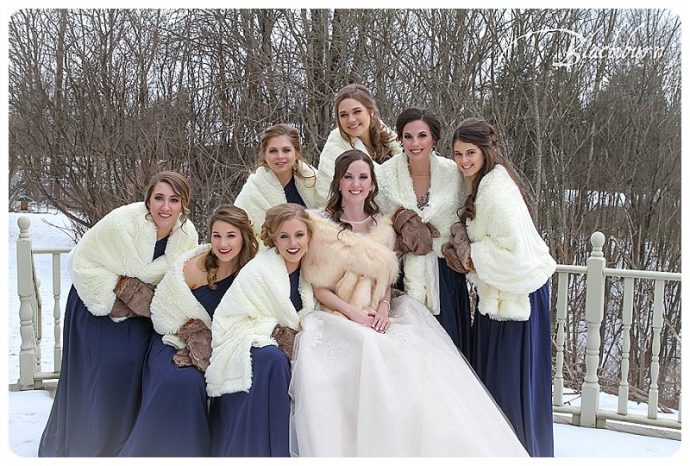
<point x="354" y="119"/>
<point x="417" y="140"/>
<point x="356" y="183"/>
<point x="291" y="240"/>
<point x="165" y="206"/>
<point x="469" y="158"/>
<point x="226" y="241"/>
<point x="280" y="155"/>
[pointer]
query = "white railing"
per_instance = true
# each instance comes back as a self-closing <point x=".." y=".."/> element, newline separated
<point x="587" y="414"/>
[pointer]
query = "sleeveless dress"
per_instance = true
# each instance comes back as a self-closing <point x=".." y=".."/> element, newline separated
<point x="173" y="419"/>
<point x="291" y="193"/>
<point x="99" y="390"/>
<point x="256" y="423"/>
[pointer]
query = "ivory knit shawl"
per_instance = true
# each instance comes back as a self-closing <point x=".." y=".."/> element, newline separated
<point x="174" y="304"/>
<point x="122" y="243"/>
<point x="260" y="300"/>
<point x="262" y="190"/>
<point x="395" y="190"/>
<point x="359" y="268"/>
<point x="510" y="258"/>
<point x="336" y="145"/>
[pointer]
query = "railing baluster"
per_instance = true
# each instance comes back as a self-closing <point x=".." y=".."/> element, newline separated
<point x="653" y="406"/>
<point x="625" y="361"/>
<point x="57" y="326"/>
<point x="561" y="308"/>
<point x="25" y="283"/>
<point x="594" y="313"/>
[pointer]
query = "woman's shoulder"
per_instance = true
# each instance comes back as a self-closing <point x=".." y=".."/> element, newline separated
<point x="194" y="271"/>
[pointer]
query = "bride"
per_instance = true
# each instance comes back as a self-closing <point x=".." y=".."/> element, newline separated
<point x="375" y="376"/>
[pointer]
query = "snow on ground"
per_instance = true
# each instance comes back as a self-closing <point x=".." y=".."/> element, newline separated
<point x="28" y="411"/>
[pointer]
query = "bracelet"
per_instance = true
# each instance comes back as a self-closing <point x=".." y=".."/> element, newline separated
<point x="387" y="304"/>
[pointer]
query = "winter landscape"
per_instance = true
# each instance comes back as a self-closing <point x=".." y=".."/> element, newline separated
<point x="29" y="410"/>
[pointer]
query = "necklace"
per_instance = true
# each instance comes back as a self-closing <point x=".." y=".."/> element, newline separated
<point x="353" y="222"/>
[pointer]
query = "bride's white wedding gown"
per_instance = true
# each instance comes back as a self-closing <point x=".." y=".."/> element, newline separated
<point x="408" y="392"/>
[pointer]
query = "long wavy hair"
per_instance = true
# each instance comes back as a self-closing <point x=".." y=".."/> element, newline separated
<point x="479" y="132"/>
<point x="334" y="205"/>
<point x="282" y="129"/>
<point x="238" y="218"/>
<point x="377" y="132"/>
<point x="279" y="214"/>
<point x="180" y="186"/>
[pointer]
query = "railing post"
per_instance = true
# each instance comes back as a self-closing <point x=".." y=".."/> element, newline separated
<point x="623" y="389"/>
<point x="561" y="307"/>
<point x="653" y="406"/>
<point x="594" y="313"/>
<point x="27" y="352"/>
<point x="57" y="326"/>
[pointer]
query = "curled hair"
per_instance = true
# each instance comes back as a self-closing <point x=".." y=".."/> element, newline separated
<point x="479" y="132"/>
<point x="180" y="186"/>
<point x="238" y="218"/>
<point x="377" y="132"/>
<point x="282" y="129"/>
<point x="277" y="215"/>
<point x="419" y="114"/>
<point x="334" y="205"/>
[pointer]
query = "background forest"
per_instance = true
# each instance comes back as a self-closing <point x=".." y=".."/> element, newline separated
<point x="587" y="104"/>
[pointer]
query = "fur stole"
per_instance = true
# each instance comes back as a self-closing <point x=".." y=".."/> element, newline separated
<point x="174" y="304"/>
<point x="122" y="243"/>
<point x="395" y="190"/>
<point x="262" y="190"/>
<point x="258" y="300"/>
<point x="358" y="268"/>
<point x="510" y="258"/>
<point x="336" y="145"/>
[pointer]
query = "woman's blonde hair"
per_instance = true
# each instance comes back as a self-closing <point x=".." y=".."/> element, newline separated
<point x="282" y="129"/>
<point x="277" y="215"/>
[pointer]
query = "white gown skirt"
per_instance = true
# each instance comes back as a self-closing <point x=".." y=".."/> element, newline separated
<point x="408" y="392"/>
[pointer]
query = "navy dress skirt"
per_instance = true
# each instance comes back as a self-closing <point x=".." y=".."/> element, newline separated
<point x="257" y="422"/>
<point x="173" y="419"/>
<point x="291" y="193"/>
<point x="99" y="390"/>
<point x="513" y="360"/>
<point x="455" y="315"/>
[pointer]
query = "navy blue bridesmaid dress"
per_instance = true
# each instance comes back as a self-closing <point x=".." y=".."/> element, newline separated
<point x="513" y="360"/>
<point x="99" y="389"/>
<point x="257" y="423"/>
<point x="291" y="193"/>
<point x="173" y="419"/>
<point x="455" y="315"/>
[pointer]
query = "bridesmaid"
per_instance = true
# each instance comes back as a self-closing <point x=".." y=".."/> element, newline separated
<point x="359" y="126"/>
<point x="173" y="419"/>
<point x="282" y="176"/>
<point x="249" y="374"/>
<point x="496" y="242"/>
<point x="424" y="188"/>
<point x="107" y="330"/>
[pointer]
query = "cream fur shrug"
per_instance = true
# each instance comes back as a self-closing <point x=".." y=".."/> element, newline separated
<point x="263" y="190"/>
<point x="336" y="145"/>
<point x="122" y="243"/>
<point x="174" y="304"/>
<point x="260" y="300"/>
<point x="510" y="258"/>
<point x="395" y="190"/>
<point x="358" y="268"/>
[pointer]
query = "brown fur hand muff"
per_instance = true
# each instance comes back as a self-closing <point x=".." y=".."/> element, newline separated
<point x="413" y="235"/>
<point x="285" y="336"/>
<point x="120" y="309"/>
<point x="457" y="250"/>
<point x="197" y="336"/>
<point x="135" y="294"/>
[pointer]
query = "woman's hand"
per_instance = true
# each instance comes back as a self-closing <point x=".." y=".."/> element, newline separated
<point x="381" y="322"/>
<point x="365" y="319"/>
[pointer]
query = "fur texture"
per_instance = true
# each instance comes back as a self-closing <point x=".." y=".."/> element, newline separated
<point x="262" y="190"/>
<point x="260" y="297"/>
<point x="510" y="258"/>
<point x="121" y="244"/>
<point x="359" y="268"/>
<point x="336" y="145"/>
<point x="395" y="185"/>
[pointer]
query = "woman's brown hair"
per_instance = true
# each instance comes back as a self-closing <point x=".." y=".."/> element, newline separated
<point x="282" y="129"/>
<point x="178" y="183"/>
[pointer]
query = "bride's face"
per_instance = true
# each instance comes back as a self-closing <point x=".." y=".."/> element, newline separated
<point x="356" y="183"/>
